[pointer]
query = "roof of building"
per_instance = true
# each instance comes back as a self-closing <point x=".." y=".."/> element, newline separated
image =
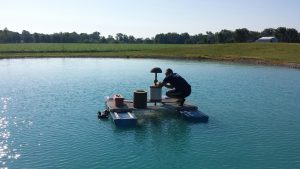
<point x="267" y="38"/>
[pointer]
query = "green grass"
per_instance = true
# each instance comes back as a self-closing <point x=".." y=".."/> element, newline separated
<point x="269" y="53"/>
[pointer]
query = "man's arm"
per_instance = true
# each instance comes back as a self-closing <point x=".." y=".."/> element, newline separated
<point x="165" y="83"/>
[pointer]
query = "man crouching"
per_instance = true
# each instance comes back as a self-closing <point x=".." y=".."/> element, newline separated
<point x="180" y="88"/>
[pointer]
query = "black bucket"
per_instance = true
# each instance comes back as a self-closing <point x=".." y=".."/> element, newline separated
<point x="140" y="99"/>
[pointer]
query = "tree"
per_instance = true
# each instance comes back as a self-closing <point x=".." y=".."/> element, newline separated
<point x="287" y="35"/>
<point x="159" y="38"/>
<point x="280" y="34"/>
<point x="83" y="38"/>
<point x="5" y="33"/>
<point x="26" y="37"/>
<point x="110" y="39"/>
<point x="45" y="38"/>
<point x="172" y="38"/>
<point x="225" y="36"/>
<point x="253" y="36"/>
<point x="103" y="39"/>
<point x="198" y="39"/>
<point x="131" y="39"/>
<point x="241" y="35"/>
<point x="121" y="38"/>
<point x="67" y="37"/>
<point x="95" y="37"/>
<point x="56" y="38"/>
<point x="139" y="40"/>
<point x="268" y="32"/>
<point x="292" y="35"/>
<point x="36" y="38"/>
<point x="7" y="36"/>
<point x="149" y="41"/>
<point x="184" y="38"/>
<point x="211" y="38"/>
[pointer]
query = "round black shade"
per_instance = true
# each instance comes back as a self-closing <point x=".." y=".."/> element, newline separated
<point x="156" y="70"/>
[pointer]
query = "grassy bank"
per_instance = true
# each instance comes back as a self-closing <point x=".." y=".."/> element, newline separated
<point x="276" y="54"/>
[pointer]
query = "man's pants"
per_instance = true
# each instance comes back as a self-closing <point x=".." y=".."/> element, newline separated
<point x="178" y="94"/>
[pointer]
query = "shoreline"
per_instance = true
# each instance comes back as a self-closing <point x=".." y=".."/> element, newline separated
<point x="239" y="60"/>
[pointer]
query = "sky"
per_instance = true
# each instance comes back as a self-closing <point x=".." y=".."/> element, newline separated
<point x="146" y="18"/>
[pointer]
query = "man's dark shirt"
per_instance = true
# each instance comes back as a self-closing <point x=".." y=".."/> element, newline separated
<point x="179" y="83"/>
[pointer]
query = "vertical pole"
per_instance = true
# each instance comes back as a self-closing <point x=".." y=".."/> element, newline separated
<point x="155" y="81"/>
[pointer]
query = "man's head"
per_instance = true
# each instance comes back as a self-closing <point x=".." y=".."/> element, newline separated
<point x="169" y="72"/>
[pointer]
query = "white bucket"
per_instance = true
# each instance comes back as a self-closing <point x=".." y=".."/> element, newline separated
<point x="155" y="94"/>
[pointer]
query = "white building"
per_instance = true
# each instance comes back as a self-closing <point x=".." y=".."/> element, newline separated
<point x="267" y="39"/>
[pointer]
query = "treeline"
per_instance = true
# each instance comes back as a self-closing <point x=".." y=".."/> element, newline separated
<point x="283" y="34"/>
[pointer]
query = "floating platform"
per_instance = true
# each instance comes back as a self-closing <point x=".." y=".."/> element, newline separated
<point x="166" y="104"/>
<point x="124" y="119"/>
<point x="124" y="115"/>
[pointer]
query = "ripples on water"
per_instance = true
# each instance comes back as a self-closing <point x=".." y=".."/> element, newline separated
<point x="48" y="111"/>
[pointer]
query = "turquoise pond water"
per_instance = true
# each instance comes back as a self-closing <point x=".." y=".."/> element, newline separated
<point x="48" y="116"/>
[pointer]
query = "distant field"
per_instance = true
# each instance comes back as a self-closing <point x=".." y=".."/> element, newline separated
<point x="276" y="53"/>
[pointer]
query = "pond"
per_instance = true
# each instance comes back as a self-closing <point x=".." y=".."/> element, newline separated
<point x="48" y="116"/>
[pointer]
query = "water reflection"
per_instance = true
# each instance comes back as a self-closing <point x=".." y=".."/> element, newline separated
<point x="157" y="125"/>
<point x="7" y="153"/>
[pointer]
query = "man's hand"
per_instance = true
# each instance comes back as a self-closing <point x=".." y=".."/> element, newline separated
<point x="160" y="85"/>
